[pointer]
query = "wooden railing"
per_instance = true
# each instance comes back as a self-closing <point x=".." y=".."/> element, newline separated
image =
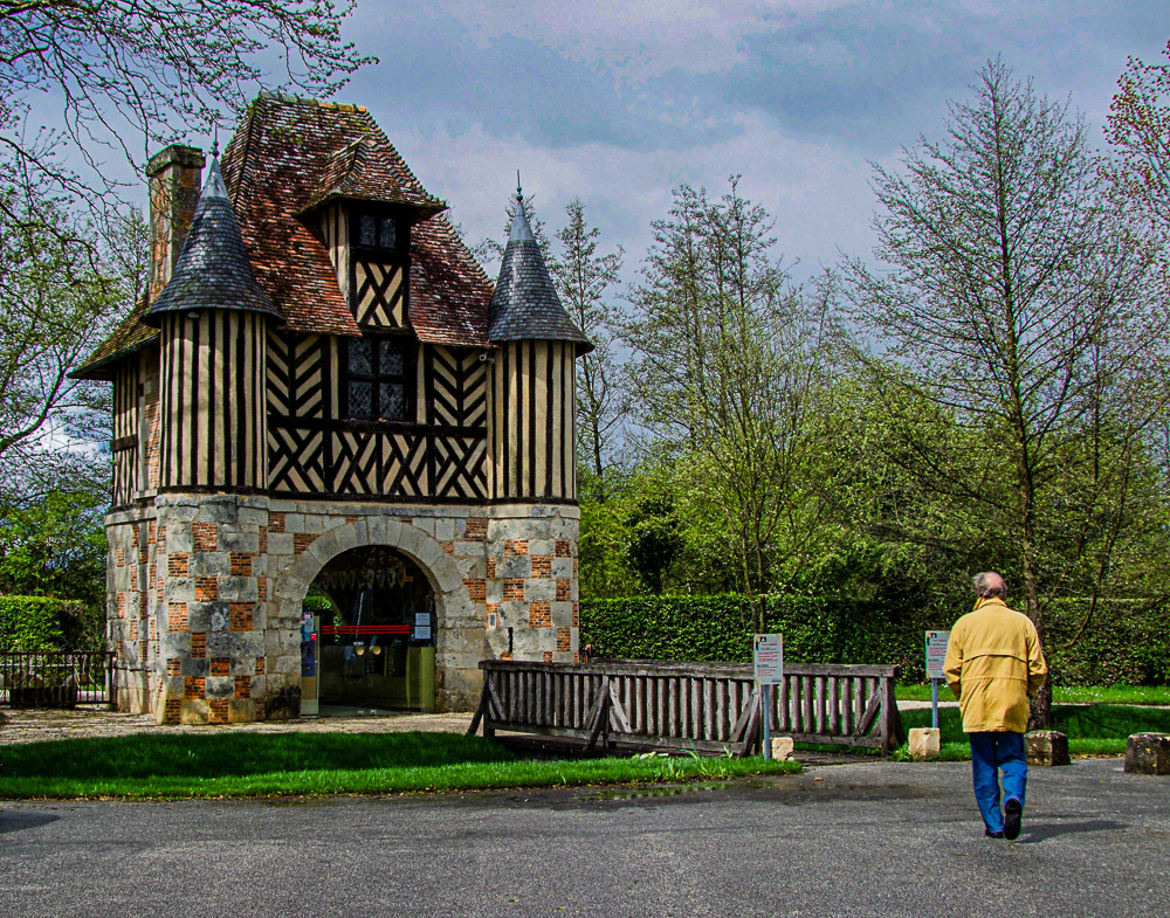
<point x="56" y="679"/>
<point x="705" y="707"/>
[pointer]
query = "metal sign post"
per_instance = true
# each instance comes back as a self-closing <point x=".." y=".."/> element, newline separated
<point x="768" y="664"/>
<point x="936" y="654"/>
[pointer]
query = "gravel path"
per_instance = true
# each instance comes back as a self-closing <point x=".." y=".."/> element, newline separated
<point x="31" y="726"/>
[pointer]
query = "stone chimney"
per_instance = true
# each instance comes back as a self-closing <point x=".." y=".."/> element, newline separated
<point x="174" y="191"/>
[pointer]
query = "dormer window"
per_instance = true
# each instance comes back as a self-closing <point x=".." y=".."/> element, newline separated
<point x="379" y="374"/>
<point x="378" y="232"/>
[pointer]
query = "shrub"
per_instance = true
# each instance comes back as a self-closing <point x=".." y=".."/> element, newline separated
<point x="32" y="623"/>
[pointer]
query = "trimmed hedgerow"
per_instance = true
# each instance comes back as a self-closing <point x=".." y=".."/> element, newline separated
<point x="1125" y="642"/>
<point x="35" y="622"/>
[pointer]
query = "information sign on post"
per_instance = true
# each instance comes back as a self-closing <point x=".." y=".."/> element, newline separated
<point x="768" y="662"/>
<point x="936" y="655"/>
<point x="768" y="658"/>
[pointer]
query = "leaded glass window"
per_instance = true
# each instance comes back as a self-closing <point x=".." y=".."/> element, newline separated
<point x="368" y="230"/>
<point x="386" y="237"/>
<point x="378" y="383"/>
<point x="376" y="231"/>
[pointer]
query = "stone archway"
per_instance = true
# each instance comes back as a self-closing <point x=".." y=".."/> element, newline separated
<point x="459" y="633"/>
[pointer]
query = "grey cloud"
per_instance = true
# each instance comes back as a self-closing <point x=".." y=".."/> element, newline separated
<point x="876" y="76"/>
<point x="866" y="76"/>
<point x="437" y="74"/>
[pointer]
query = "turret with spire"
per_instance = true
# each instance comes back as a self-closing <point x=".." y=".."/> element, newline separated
<point x="213" y="318"/>
<point x="533" y="405"/>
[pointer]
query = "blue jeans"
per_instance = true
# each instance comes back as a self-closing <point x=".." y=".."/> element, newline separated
<point x="994" y="752"/>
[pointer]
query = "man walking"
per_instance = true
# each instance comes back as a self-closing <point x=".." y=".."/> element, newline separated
<point x="994" y="665"/>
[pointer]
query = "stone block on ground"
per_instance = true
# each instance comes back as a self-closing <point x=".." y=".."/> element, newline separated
<point x="1148" y="754"/>
<point x="924" y="742"/>
<point x="783" y="748"/>
<point x="1046" y="747"/>
<point x="194" y="712"/>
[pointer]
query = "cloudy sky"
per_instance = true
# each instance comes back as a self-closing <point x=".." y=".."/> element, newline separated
<point x="618" y="102"/>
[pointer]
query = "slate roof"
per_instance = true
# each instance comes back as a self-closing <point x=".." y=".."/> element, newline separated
<point x="525" y="305"/>
<point x="213" y="270"/>
<point x="290" y="156"/>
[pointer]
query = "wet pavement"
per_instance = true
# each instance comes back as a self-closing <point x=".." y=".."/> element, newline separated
<point x="873" y="839"/>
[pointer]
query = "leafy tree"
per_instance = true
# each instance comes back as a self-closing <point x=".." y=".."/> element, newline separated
<point x="55" y="546"/>
<point x="583" y="278"/>
<point x="655" y="540"/>
<point x="729" y="363"/>
<point x="59" y="303"/>
<point x="602" y="547"/>
<point x="1020" y="305"/>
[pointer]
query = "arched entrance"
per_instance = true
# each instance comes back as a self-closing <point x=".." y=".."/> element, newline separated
<point x="375" y="615"/>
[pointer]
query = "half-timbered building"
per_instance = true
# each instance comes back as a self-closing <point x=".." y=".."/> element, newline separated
<point x="323" y="393"/>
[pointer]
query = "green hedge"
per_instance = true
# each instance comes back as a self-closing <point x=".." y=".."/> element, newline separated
<point x="36" y="622"/>
<point x="1125" y="643"/>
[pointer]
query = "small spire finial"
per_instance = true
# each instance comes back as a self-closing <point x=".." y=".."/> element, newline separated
<point x="519" y="190"/>
<point x="215" y="141"/>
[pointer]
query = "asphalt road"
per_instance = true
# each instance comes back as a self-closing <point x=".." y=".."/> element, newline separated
<point x="868" y="839"/>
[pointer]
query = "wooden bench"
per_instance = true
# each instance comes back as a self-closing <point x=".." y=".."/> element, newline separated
<point x="709" y="708"/>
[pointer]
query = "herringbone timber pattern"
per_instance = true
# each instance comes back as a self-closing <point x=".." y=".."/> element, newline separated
<point x="296" y="365"/>
<point x="457" y="387"/>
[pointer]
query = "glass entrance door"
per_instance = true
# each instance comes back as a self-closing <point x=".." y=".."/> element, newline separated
<point x="377" y="645"/>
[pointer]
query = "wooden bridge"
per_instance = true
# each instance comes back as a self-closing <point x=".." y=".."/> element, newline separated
<point x="711" y="708"/>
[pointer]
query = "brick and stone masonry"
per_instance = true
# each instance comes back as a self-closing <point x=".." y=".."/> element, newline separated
<point x="216" y="638"/>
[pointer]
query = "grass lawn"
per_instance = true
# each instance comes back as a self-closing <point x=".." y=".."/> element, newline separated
<point x="304" y="764"/>
<point x="1074" y="694"/>
<point x="1099" y="729"/>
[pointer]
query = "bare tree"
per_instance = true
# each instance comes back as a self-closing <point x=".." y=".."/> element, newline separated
<point x="584" y="278"/>
<point x="162" y="67"/>
<point x="150" y="69"/>
<point x="1138" y="128"/>
<point x="1015" y="298"/>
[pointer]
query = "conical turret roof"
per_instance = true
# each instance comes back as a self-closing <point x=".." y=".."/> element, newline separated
<point x="213" y="271"/>
<point x="525" y="305"/>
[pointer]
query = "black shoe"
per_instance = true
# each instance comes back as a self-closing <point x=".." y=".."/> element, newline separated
<point x="1013" y="810"/>
<point x="991" y="834"/>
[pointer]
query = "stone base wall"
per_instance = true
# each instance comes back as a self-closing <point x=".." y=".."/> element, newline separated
<point x="206" y="594"/>
<point x="131" y="591"/>
<point x="531" y="585"/>
<point x="214" y="638"/>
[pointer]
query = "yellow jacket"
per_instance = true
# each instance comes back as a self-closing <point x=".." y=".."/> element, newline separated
<point x="994" y="664"/>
